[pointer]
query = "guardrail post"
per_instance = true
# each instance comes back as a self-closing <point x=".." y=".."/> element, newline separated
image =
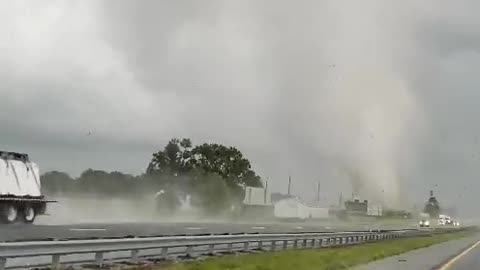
<point x="246" y="246"/>
<point x="273" y="246"/>
<point x="211" y="248"/>
<point x="164" y="252"/>
<point x="312" y="243"/>
<point x="285" y="244"/>
<point x="295" y="243"/>
<point x="230" y="247"/>
<point x="320" y="242"/>
<point x="3" y="263"/>
<point x="55" y="262"/>
<point x="99" y="258"/>
<point x="189" y="251"/>
<point x="304" y="242"/>
<point x="134" y="256"/>
<point x="260" y="245"/>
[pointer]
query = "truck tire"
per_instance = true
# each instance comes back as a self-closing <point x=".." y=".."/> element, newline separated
<point x="9" y="213"/>
<point x="29" y="214"/>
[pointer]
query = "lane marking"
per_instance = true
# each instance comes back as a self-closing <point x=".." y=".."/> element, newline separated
<point x="298" y="228"/>
<point x="258" y="228"/>
<point x="194" y="228"/>
<point x="328" y="228"/>
<point x="87" y="229"/>
<point x="458" y="257"/>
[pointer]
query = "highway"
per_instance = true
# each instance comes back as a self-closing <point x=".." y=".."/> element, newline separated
<point x="467" y="260"/>
<point x="453" y="255"/>
<point x="100" y="218"/>
<point x="22" y="232"/>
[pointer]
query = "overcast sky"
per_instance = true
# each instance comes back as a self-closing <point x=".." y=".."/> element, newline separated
<point x="384" y="92"/>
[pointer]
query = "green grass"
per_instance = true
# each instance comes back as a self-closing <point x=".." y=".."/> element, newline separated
<point x="318" y="259"/>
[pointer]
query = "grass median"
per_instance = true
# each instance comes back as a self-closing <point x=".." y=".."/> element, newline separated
<point x="318" y="259"/>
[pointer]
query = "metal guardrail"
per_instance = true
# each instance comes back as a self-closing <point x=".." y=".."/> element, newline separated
<point x="190" y="245"/>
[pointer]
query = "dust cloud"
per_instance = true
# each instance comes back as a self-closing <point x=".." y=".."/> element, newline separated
<point x="88" y="209"/>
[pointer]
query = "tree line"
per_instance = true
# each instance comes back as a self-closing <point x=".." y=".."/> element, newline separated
<point x="212" y="175"/>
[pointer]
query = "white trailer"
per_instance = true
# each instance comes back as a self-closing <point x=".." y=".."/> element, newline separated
<point x="291" y="208"/>
<point x="257" y="196"/>
<point x="21" y="198"/>
<point x="318" y="212"/>
<point x="374" y="210"/>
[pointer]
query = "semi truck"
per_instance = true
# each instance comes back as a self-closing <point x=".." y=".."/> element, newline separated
<point x="21" y="198"/>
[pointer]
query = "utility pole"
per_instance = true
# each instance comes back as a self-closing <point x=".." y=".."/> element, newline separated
<point x="318" y="191"/>
<point x="265" y="192"/>
<point x="340" y="200"/>
<point x="289" y="185"/>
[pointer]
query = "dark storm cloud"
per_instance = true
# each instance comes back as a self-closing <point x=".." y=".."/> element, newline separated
<point x="316" y="89"/>
<point x="275" y="79"/>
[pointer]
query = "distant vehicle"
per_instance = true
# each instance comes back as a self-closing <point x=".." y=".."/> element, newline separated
<point x="444" y="220"/>
<point x="424" y="223"/>
<point x="20" y="189"/>
<point x="456" y="223"/>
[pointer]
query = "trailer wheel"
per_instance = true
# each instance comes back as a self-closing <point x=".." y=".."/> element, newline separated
<point x="9" y="213"/>
<point x="29" y="214"/>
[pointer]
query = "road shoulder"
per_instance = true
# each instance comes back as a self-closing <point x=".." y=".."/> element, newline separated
<point x="425" y="258"/>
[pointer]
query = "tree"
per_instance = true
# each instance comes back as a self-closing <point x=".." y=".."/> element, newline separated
<point x="228" y="162"/>
<point x="56" y="182"/>
<point x="172" y="159"/>
<point x="178" y="158"/>
<point x="102" y="182"/>
<point x="200" y="172"/>
<point x="212" y="194"/>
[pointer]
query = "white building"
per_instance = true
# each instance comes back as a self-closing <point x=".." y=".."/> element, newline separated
<point x="294" y="208"/>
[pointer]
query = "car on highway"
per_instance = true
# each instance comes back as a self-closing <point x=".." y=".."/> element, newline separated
<point x="424" y="223"/>
<point x="444" y="220"/>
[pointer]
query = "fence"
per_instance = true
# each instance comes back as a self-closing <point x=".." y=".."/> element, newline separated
<point x="135" y="248"/>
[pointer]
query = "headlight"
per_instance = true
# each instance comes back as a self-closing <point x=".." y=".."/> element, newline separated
<point x="427" y="222"/>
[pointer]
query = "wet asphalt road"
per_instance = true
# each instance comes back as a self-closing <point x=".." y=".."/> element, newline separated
<point x="19" y="232"/>
<point x="436" y="257"/>
<point x="469" y="261"/>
